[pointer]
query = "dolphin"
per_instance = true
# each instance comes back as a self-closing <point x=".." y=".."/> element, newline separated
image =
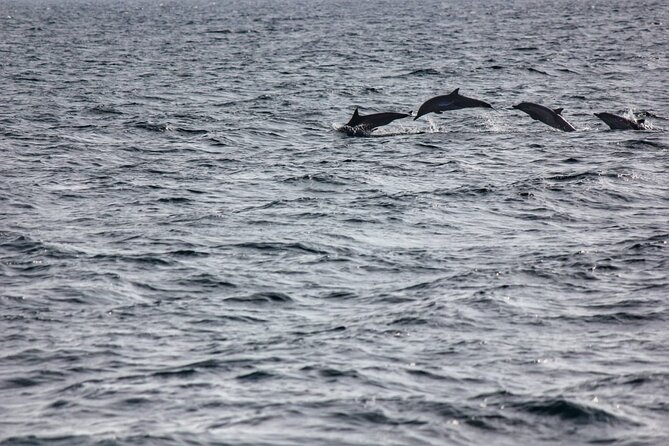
<point x="546" y="115"/>
<point x="452" y="101"/>
<point x="360" y="124"/>
<point x="619" y="123"/>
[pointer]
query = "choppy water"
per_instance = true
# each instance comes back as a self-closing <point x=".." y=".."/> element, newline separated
<point x="190" y="254"/>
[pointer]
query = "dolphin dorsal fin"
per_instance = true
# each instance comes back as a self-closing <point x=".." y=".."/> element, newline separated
<point x="455" y="92"/>
<point x="559" y="110"/>
<point x="355" y="119"/>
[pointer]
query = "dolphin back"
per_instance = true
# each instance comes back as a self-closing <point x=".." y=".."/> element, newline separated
<point x="616" y="122"/>
<point x="452" y="101"/>
<point x="544" y="114"/>
<point x="380" y="119"/>
<point x="362" y="125"/>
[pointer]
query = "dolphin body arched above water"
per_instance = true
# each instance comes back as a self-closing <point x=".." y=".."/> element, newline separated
<point x="452" y="101"/>
<point x="546" y="115"/>
<point x="616" y="122"/>
<point x="365" y="124"/>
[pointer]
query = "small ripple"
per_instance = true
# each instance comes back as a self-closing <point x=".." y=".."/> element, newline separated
<point x="317" y="178"/>
<point x="258" y="375"/>
<point x="105" y="110"/>
<point x="152" y="127"/>
<point x="187" y="369"/>
<point x="339" y="295"/>
<point x="205" y="280"/>
<point x="378" y="417"/>
<point x="269" y="297"/>
<point x="18" y="382"/>
<point x="630" y="381"/>
<point x="424" y="72"/>
<point x="620" y="317"/>
<point x="178" y="200"/>
<point x="645" y="143"/>
<point x="576" y="177"/>
<point x="52" y="440"/>
<point x="534" y="70"/>
<point x="410" y="320"/>
<point x="142" y="259"/>
<point x="281" y="247"/>
<point x="466" y="191"/>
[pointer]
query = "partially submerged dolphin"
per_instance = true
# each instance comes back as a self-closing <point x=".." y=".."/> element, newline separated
<point x="452" y="101"/>
<point x="620" y="123"/>
<point x="546" y="115"/>
<point x="363" y="125"/>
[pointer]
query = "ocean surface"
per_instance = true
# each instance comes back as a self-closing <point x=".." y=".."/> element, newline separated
<point x="192" y="254"/>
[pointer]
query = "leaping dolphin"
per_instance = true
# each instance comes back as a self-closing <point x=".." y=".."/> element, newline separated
<point x="361" y="125"/>
<point x="452" y="101"/>
<point x="546" y="115"/>
<point x="620" y="123"/>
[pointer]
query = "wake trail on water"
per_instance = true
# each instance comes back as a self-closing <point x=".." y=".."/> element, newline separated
<point x="491" y="124"/>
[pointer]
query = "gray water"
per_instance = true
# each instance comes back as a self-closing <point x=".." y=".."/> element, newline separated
<point x="190" y="253"/>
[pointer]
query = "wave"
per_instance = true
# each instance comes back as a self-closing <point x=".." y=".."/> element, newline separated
<point x="568" y="411"/>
